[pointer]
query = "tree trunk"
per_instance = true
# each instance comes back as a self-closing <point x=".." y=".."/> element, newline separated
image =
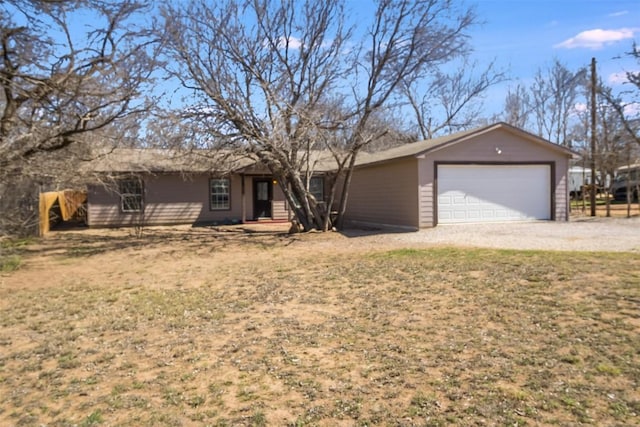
<point x="345" y="190"/>
<point x="332" y="196"/>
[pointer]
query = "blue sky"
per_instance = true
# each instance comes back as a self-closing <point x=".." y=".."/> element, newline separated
<point x="525" y="35"/>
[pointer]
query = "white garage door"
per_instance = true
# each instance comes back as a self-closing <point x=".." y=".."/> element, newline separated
<point x="493" y="193"/>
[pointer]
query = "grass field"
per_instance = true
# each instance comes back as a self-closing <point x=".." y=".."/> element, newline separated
<point x="225" y="329"/>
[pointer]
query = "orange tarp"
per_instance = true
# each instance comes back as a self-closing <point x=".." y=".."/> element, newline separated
<point x="68" y="200"/>
<point x="73" y="200"/>
<point x="47" y="200"/>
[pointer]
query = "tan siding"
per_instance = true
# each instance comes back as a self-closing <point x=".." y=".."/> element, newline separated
<point x="385" y="194"/>
<point x="168" y="199"/>
<point x="484" y="148"/>
<point x="102" y="206"/>
<point x="562" y="190"/>
<point x="248" y="195"/>
<point x="279" y="209"/>
<point x="425" y="193"/>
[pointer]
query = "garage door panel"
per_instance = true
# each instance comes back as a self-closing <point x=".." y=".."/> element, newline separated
<point x="458" y="199"/>
<point x="458" y="215"/>
<point x="473" y="200"/>
<point x="446" y="216"/>
<point x="474" y="214"/>
<point x="481" y="193"/>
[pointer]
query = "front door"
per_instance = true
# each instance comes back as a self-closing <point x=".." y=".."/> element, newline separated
<point x="262" y="196"/>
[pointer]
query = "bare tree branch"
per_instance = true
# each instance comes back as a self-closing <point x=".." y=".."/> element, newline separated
<point x="59" y="88"/>
<point x="554" y="95"/>
<point x="450" y="102"/>
<point x="281" y="80"/>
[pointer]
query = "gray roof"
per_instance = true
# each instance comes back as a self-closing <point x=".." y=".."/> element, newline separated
<point x="136" y="160"/>
<point x="421" y="147"/>
<point x="151" y="160"/>
<point x="121" y="160"/>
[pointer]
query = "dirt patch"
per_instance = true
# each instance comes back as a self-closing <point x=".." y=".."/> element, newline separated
<point x="616" y="210"/>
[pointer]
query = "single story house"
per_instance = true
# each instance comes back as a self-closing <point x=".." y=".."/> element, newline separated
<point x="158" y="187"/>
<point x="493" y="173"/>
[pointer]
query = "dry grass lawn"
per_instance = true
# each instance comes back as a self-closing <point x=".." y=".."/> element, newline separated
<point x="616" y="209"/>
<point x="190" y="327"/>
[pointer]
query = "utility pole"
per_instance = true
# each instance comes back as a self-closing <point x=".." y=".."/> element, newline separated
<point x="592" y="195"/>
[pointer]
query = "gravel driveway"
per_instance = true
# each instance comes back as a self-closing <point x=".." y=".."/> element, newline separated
<point x="580" y="234"/>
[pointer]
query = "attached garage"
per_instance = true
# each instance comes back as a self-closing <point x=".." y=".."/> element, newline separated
<point x="493" y="193"/>
<point x="496" y="173"/>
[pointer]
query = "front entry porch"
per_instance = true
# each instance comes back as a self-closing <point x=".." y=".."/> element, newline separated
<point x="263" y="200"/>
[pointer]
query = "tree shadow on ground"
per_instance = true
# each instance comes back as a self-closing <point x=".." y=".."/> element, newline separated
<point x="355" y="232"/>
<point x="89" y="242"/>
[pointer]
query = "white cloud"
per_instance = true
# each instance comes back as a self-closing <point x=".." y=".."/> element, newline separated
<point x="596" y="39"/>
<point x="615" y="14"/>
<point x="294" y="42"/>
<point x="617" y="78"/>
<point x="580" y="107"/>
<point x="632" y="110"/>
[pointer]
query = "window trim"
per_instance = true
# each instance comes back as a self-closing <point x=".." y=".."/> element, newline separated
<point x="211" y="181"/>
<point x="124" y="195"/>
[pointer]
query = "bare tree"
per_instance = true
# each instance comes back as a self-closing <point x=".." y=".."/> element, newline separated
<point x="394" y="128"/>
<point x="611" y="146"/>
<point x="258" y="72"/>
<point x="628" y="148"/>
<point x="517" y="107"/>
<point x="554" y="95"/>
<point x="628" y="100"/>
<point x="449" y="102"/>
<point x="280" y="80"/>
<point x="59" y="86"/>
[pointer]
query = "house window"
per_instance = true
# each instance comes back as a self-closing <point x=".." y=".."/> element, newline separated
<point x="220" y="194"/>
<point x="130" y="195"/>
<point x="316" y="187"/>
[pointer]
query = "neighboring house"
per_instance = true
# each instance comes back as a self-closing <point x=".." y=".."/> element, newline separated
<point x="494" y="173"/>
<point x="580" y="177"/>
<point x="156" y="187"/>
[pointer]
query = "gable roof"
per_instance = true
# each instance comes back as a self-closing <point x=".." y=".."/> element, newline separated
<point x="419" y="148"/>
